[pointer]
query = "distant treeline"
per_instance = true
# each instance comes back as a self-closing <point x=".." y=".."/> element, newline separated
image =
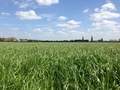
<point x="65" y="41"/>
<point x="13" y="39"/>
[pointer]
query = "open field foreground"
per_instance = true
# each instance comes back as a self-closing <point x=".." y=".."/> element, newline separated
<point x="59" y="66"/>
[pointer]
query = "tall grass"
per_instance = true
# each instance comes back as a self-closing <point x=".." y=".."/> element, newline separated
<point x="59" y="66"/>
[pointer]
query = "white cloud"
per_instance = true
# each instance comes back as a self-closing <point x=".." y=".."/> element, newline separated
<point x="27" y="15"/>
<point x="72" y="34"/>
<point x="104" y="15"/>
<point x="86" y="10"/>
<point x="50" y="30"/>
<point x="20" y="4"/>
<point x="63" y="25"/>
<point x="44" y="31"/>
<point x="73" y="22"/>
<point x="62" y="33"/>
<point x="105" y="24"/>
<point x="108" y="7"/>
<point x="37" y="30"/>
<point x="62" y="18"/>
<point x="23" y="5"/>
<point x="5" y="13"/>
<point x="69" y="25"/>
<point x="107" y="35"/>
<point x="76" y="34"/>
<point x="47" y="2"/>
<point x="106" y="27"/>
<point x="96" y="9"/>
<point x="49" y="17"/>
<point x="106" y="12"/>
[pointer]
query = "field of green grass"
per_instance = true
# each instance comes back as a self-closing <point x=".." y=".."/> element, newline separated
<point x="59" y="66"/>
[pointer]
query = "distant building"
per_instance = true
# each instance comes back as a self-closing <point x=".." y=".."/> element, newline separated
<point x="13" y="39"/>
<point x="23" y="40"/>
<point x="7" y="39"/>
<point x="10" y="39"/>
<point x="101" y="40"/>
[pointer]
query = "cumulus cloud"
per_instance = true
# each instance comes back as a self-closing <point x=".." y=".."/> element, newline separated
<point x="108" y="7"/>
<point x="106" y="24"/>
<point x="86" y="10"/>
<point x="69" y="25"/>
<point x="73" y="22"/>
<point x="47" y="2"/>
<point x="62" y="18"/>
<point x="104" y="15"/>
<point x="27" y="15"/>
<point x="105" y="12"/>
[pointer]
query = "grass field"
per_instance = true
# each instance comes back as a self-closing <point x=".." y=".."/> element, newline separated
<point x="59" y="66"/>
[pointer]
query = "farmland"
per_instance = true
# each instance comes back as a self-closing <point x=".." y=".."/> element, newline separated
<point x="59" y="66"/>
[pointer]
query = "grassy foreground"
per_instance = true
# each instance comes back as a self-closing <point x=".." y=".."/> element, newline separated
<point x="59" y="66"/>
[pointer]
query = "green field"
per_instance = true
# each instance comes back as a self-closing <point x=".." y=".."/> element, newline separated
<point x="59" y="66"/>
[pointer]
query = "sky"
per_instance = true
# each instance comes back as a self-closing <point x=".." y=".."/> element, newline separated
<point x="60" y="19"/>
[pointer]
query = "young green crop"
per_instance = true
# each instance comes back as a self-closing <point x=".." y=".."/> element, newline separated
<point x="59" y="66"/>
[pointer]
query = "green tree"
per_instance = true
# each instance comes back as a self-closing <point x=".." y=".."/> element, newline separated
<point x="1" y="39"/>
<point x="11" y="39"/>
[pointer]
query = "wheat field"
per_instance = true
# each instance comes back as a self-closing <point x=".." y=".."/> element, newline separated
<point x="59" y="66"/>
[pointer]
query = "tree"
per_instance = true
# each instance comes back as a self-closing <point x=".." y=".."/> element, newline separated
<point x="101" y="39"/>
<point x="11" y="39"/>
<point x="119" y="39"/>
<point x="91" y="38"/>
<point x="1" y="39"/>
<point x="82" y="38"/>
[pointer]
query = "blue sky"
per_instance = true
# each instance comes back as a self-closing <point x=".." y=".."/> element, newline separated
<point x="60" y="19"/>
